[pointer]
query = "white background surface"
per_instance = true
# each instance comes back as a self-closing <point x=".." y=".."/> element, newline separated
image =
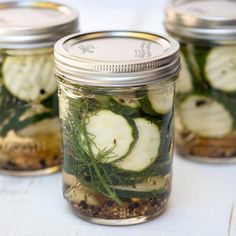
<point x="203" y="200"/>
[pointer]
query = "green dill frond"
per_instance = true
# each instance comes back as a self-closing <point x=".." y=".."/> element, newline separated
<point x="88" y="168"/>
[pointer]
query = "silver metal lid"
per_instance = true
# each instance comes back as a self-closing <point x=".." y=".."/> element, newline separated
<point x="116" y="58"/>
<point x="25" y="24"/>
<point x="209" y="20"/>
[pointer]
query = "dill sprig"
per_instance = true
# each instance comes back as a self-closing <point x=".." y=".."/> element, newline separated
<point x="79" y="141"/>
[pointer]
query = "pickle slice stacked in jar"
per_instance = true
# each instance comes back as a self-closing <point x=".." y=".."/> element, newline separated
<point x="118" y="152"/>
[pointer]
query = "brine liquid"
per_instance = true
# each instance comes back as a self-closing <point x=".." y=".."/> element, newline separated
<point x="97" y="186"/>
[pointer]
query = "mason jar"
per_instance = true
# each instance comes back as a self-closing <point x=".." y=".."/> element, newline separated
<point x="206" y="90"/>
<point x="29" y="123"/>
<point x="116" y="91"/>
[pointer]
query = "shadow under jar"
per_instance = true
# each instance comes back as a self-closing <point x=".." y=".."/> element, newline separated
<point x="29" y="123"/>
<point x="206" y="89"/>
<point x="116" y="92"/>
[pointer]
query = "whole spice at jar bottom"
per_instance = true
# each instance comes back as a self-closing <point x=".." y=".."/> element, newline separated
<point x="24" y="164"/>
<point x="130" y="208"/>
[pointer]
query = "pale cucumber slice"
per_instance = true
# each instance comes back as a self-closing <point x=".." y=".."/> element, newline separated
<point x="205" y="117"/>
<point x="184" y="82"/>
<point x="152" y="184"/>
<point x="161" y="99"/>
<point x="29" y="78"/>
<point x="111" y="131"/>
<point x="146" y="149"/>
<point x="147" y="189"/>
<point x="44" y="127"/>
<point x="33" y="110"/>
<point x="77" y="192"/>
<point x="221" y="68"/>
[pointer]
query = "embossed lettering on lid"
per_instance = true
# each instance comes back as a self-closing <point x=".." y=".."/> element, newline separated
<point x="117" y="49"/>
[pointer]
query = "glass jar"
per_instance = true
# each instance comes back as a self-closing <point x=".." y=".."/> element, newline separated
<point x="206" y="90"/>
<point x="29" y="123"/>
<point x="116" y="93"/>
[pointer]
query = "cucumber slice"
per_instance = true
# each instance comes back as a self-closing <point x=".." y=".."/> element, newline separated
<point x="184" y="82"/>
<point x="152" y="184"/>
<point x="146" y="149"/>
<point x="158" y="101"/>
<point x="148" y="188"/>
<point x="221" y="68"/>
<point x="77" y="192"/>
<point x="34" y="110"/>
<point x="130" y="101"/>
<point x="118" y="107"/>
<point x="23" y="117"/>
<point x="111" y="131"/>
<point x="42" y="127"/>
<point x="29" y="78"/>
<point x="18" y="115"/>
<point x="205" y="117"/>
<point x="125" y="105"/>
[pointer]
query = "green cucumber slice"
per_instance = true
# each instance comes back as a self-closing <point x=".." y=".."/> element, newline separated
<point x="125" y="105"/>
<point x="205" y="116"/>
<point x="148" y="188"/>
<point x="221" y="68"/>
<point x="159" y="101"/>
<point x="111" y="131"/>
<point x="29" y="78"/>
<point x="118" y="107"/>
<point x="146" y="149"/>
<point x="184" y="82"/>
<point x="22" y="116"/>
<point x="195" y="58"/>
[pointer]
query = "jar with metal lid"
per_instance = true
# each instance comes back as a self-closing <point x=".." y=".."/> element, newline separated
<point x="29" y="123"/>
<point x="116" y="91"/>
<point x="206" y="90"/>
